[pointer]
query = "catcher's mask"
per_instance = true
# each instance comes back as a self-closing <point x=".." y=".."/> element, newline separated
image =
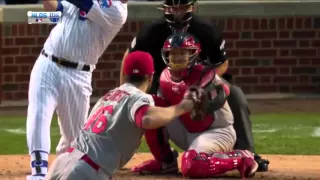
<point x="178" y="13"/>
<point x="179" y="53"/>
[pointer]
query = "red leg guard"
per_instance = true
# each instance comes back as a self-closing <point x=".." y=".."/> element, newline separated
<point x="202" y="165"/>
<point x="159" y="145"/>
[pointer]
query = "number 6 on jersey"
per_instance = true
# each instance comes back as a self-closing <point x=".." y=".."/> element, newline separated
<point x="98" y="121"/>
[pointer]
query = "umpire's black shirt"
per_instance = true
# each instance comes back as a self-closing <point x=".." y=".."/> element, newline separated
<point x="151" y="38"/>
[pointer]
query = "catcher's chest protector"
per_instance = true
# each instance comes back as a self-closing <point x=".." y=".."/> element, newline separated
<point x="173" y="92"/>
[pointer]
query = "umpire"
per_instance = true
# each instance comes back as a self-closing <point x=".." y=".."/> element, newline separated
<point x="179" y="16"/>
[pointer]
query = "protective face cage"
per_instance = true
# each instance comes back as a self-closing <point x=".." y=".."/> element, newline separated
<point x="178" y="70"/>
<point x="178" y="13"/>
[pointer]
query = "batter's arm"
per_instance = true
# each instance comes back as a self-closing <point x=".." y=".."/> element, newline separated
<point x="93" y="12"/>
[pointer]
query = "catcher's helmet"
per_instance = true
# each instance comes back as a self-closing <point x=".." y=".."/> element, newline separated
<point x="179" y="53"/>
<point x="178" y="13"/>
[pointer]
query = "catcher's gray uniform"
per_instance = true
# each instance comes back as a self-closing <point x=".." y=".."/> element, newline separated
<point x="220" y="135"/>
<point x="109" y="139"/>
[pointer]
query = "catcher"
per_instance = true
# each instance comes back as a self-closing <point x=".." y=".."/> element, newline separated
<point x="116" y="124"/>
<point x="207" y="136"/>
<point x="180" y="16"/>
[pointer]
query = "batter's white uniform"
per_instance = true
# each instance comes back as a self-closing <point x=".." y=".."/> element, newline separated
<point x="81" y="39"/>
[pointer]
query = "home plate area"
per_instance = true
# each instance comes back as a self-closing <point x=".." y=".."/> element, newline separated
<point x="282" y="167"/>
<point x="16" y="167"/>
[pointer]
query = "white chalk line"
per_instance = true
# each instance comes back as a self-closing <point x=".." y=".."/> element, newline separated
<point x="283" y="136"/>
<point x="265" y="130"/>
<point x="316" y="132"/>
<point x="16" y="131"/>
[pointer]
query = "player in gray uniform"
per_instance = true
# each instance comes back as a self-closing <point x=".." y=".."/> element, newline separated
<point x="113" y="131"/>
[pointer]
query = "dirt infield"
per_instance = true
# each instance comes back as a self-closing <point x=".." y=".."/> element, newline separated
<point x="16" y="167"/>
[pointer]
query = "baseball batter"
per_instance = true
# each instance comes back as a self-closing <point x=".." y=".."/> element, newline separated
<point x="207" y="140"/>
<point x="61" y="77"/>
<point x="115" y="126"/>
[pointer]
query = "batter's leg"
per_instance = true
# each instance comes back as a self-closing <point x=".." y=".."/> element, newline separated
<point x="73" y="107"/>
<point x="42" y="97"/>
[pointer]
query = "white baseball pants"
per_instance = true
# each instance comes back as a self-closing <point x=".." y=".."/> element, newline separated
<point x="54" y="87"/>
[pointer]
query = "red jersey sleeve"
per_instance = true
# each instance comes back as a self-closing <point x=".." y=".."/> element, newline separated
<point x="139" y="115"/>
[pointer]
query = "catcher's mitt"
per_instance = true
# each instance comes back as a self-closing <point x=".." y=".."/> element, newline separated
<point x="216" y="91"/>
<point x="216" y="97"/>
<point x="199" y="98"/>
<point x="206" y="100"/>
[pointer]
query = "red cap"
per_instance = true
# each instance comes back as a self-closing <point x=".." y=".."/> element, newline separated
<point x="138" y="63"/>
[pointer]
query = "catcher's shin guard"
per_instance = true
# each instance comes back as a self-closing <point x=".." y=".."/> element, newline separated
<point x="203" y="165"/>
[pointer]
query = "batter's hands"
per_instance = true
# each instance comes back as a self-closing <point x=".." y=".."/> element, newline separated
<point x="199" y="98"/>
